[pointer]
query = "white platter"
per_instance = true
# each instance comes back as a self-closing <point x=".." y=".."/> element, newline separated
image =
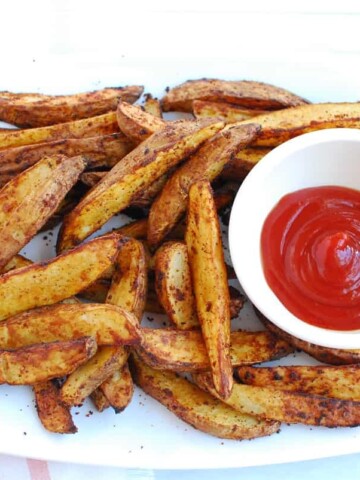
<point x="146" y="435"/>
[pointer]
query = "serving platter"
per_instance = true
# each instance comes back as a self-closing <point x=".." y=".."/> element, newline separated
<point x="146" y="435"/>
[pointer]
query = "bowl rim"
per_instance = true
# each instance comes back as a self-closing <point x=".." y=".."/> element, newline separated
<point x="286" y="321"/>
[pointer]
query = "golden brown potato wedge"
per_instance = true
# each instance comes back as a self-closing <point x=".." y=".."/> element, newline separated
<point x="241" y="164"/>
<point x="37" y="110"/>
<point x="93" y="177"/>
<point x="85" y="379"/>
<point x="53" y="414"/>
<point x="56" y="279"/>
<point x="289" y="407"/>
<point x="185" y="351"/>
<point x="139" y="169"/>
<point x="152" y="106"/>
<point x="212" y="299"/>
<point x="342" y="382"/>
<point x="118" y="389"/>
<point x="18" y="261"/>
<point x="108" y="324"/>
<point x="205" y="164"/>
<point x="102" y="151"/>
<point x="30" y="199"/>
<point x="44" y="361"/>
<point x="99" y="400"/>
<point x="248" y="94"/>
<point x="334" y="356"/>
<point x="196" y="407"/>
<point x="136" y="123"/>
<point x="129" y="283"/>
<point x="224" y="111"/>
<point x="278" y="127"/>
<point x="89" y="127"/>
<point x="173" y="285"/>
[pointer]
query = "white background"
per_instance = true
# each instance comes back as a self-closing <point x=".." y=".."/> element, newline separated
<point x="310" y="47"/>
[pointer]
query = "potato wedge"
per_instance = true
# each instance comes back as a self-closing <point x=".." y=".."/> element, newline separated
<point x="18" y="261"/>
<point x="129" y="284"/>
<point x="289" y="407"/>
<point x="63" y="276"/>
<point x="196" y="407"/>
<point x="248" y="94"/>
<point x="89" y="127"/>
<point x="136" y="123"/>
<point x="38" y="110"/>
<point x="102" y="151"/>
<point x="185" y="351"/>
<point x="118" y="389"/>
<point x="107" y="324"/>
<point x="152" y="106"/>
<point x="99" y="400"/>
<point x="241" y="164"/>
<point x="90" y="179"/>
<point x="44" y="361"/>
<point x="278" y="127"/>
<point x="139" y="169"/>
<point x="212" y="299"/>
<point x="342" y="382"/>
<point x="85" y="379"/>
<point x="53" y="414"/>
<point x="205" y="164"/>
<point x="173" y="285"/>
<point x="334" y="356"/>
<point x="223" y="111"/>
<point x="28" y="201"/>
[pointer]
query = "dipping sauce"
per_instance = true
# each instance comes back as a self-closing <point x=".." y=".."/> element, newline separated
<point x="310" y="246"/>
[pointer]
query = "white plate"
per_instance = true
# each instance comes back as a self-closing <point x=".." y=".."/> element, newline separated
<point x="146" y="435"/>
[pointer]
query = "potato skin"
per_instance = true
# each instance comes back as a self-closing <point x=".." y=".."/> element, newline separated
<point x="136" y="123"/>
<point x="38" y="110"/>
<point x="249" y="94"/>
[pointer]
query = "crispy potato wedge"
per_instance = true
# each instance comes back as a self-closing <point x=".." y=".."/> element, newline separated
<point x="205" y="164"/>
<point x="223" y="111"/>
<point x="196" y="407"/>
<point x="289" y="407"/>
<point x="118" y="389"/>
<point x="173" y="285"/>
<point x="102" y="151"/>
<point x="38" y="110"/>
<point x="241" y="164"/>
<point x="342" y="382"/>
<point x="85" y="379"/>
<point x="89" y="127"/>
<point x="139" y="169"/>
<point x="44" y="361"/>
<point x="212" y="299"/>
<point x="129" y="283"/>
<point x="30" y="199"/>
<point x="136" y="123"/>
<point x="107" y="324"/>
<point x="56" y="279"/>
<point x="53" y="414"/>
<point x="152" y="106"/>
<point x="246" y="93"/>
<point x="185" y="351"/>
<point x="334" y="356"/>
<point x="18" y="261"/>
<point x="99" y="400"/>
<point x="278" y="127"/>
<point x="90" y="179"/>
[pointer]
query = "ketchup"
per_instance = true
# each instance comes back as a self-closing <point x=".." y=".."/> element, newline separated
<point x="310" y="246"/>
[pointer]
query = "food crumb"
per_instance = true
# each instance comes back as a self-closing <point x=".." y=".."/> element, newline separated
<point x="24" y="433"/>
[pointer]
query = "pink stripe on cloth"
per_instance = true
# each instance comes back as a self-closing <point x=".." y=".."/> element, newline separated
<point x="38" y="469"/>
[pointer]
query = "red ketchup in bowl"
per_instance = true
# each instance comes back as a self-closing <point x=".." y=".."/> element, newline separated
<point x="310" y="246"/>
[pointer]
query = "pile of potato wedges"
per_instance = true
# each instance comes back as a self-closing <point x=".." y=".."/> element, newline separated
<point x="71" y="327"/>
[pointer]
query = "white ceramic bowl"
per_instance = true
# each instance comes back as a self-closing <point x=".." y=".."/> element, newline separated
<point x="326" y="157"/>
